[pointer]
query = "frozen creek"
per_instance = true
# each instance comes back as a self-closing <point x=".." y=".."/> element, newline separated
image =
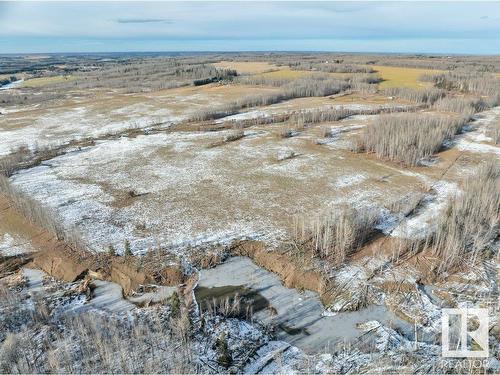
<point x="298" y="316"/>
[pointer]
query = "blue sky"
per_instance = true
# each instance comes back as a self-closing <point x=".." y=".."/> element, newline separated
<point x="432" y="27"/>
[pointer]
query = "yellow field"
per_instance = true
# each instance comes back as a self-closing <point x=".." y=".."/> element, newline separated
<point x="403" y="77"/>
<point x="43" y="81"/>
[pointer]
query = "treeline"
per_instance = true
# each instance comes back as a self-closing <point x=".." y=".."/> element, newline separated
<point x="150" y="75"/>
<point x="409" y="138"/>
<point x="470" y="223"/>
<point x="462" y="104"/>
<point x="473" y="63"/>
<point x="334" y="234"/>
<point x="302" y="87"/>
<point x="425" y="96"/>
<point x="12" y="97"/>
<point x="356" y="81"/>
<point x="466" y="82"/>
<point x="218" y="76"/>
<point x="334" y="66"/>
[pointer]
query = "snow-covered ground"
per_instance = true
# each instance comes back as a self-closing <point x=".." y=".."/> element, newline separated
<point x="14" y="245"/>
<point x="193" y="195"/>
<point x="12" y="85"/>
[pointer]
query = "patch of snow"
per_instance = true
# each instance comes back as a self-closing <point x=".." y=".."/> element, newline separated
<point x="244" y="116"/>
<point x="12" y="85"/>
<point x="349" y="180"/>
<point x="419" y="225"/>
<point x="465" y="145"/>
<point x="10" y="246"/>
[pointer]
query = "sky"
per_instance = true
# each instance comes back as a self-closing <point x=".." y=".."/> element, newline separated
<point x="355" y="26"/>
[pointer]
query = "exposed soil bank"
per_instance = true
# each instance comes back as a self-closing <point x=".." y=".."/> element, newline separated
<point x="68" y="265"/>
<point x="64" y="262"/>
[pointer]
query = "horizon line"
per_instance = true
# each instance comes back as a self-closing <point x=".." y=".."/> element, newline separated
<point x="252" y="51"/>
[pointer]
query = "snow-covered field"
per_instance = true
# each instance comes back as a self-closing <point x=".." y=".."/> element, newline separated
<point x="186" y="190"/>
<point x="188" y="194"/>
<point x="173" y="190"/>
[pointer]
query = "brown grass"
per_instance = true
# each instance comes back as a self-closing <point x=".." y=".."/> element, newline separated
<point x="494" y="131"/>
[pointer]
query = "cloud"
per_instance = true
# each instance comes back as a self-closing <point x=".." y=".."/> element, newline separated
<point x="144" y="20"/>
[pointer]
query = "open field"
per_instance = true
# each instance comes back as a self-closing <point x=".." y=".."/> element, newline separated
<point x="394" y="76"/>
<point x="44" y="81"/>
<point x="245" y="213"/>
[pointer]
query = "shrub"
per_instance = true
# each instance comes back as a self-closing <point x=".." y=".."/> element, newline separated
<point x="175" y="305"/>
<point x="111" y="250"/>
<point x="224" y="356"/>
<point x="335" y="234"/>
<point x="128" y="250"/>
<point x="234" y="136"/>
<point x="285" y="133"/>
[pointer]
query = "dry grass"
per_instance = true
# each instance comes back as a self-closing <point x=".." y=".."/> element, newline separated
<point x="44" y="81"/>
<point x="494" y="131"/>
<point x="409" y="138"/>
<point x="402" y="77"/>
<point x="334" y="234"/>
